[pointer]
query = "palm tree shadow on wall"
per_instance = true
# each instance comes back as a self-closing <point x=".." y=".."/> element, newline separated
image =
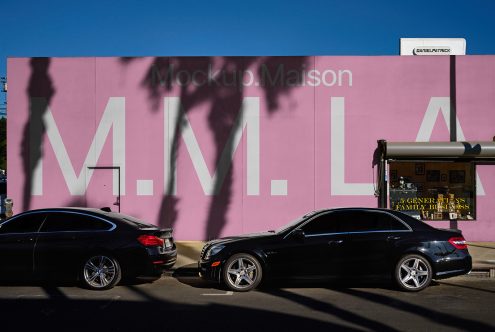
<point x="223" y="92"/>
<point x="39" y="93"/>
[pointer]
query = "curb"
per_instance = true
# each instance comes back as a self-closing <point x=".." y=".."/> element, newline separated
<point x="482" y="272"/>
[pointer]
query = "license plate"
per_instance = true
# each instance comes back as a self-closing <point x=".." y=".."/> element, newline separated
<point x="167" y="244"/>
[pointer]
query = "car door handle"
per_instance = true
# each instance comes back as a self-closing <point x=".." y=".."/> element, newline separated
<point x="335" y="242"/>
<point x="25" y="240"/>
<point x="393" y="238"/>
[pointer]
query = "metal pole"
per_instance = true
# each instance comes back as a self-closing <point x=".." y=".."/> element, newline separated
<point x="453" y="100"/>
<point x="382" y="181"/>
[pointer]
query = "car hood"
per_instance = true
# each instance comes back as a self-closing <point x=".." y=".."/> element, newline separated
<point x="231" y="239"/>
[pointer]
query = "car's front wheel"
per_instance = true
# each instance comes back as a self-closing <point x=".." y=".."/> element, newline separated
<point x="100" y="272"/>
<point x="242" y="273"/>
<point x="413" y="273"/>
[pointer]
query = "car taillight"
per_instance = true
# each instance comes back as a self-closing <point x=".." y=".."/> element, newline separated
<point x="150" y="241"/>
<point x="458" y="242"/>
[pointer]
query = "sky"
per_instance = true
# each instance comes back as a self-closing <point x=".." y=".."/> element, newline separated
<point x="219" y="27"/>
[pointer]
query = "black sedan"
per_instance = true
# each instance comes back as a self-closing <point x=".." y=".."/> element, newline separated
<point x="97" y="247"/>
<point x="345" y="242"/>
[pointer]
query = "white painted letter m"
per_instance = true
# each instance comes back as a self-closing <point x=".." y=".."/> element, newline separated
<point x="113" y="117"/>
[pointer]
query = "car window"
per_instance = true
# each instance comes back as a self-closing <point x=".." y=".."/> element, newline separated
<point x="370" y="221"/>
<point x="323" y="224"/>
<point x="412" y="222"/>
<point x="365" y="221"/>
<point x="395" y="224"/>
<point x="27" y="223"/>
<point x="351" y="221"/>
<point x="73" y="222"/>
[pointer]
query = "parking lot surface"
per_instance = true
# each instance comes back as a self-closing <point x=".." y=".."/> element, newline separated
<point x="186" y="303"/>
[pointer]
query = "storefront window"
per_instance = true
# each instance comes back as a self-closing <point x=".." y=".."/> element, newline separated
<point x="433" y="190"/>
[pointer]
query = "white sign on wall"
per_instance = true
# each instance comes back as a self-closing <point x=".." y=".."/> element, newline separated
<point x="432" y="46"/>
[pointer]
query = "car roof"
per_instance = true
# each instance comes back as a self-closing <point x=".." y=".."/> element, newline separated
<point x="88" y="211"/>
<point x="128" y="220"/>
<point x="359" y="208"/>
<point x="68" y="209"/>
<point x="412" y="222"/>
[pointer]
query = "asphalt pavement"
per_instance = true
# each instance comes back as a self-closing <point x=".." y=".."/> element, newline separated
<point x="181" y="301"/>
<point x="190" y="304"/>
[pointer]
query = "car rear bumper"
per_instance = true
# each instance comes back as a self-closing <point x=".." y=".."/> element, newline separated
<point x="158" y="261"/>
<point x="453" y="265"/>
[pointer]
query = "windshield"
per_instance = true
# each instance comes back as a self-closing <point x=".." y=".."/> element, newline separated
<point x="295" y="222"/>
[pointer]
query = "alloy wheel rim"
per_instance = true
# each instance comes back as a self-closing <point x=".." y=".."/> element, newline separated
<point x="414" y="273"/>
<point x="242" y="273"/>
<point x="99" y="271"/>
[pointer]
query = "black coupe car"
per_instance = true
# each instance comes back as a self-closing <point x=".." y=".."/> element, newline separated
<point x="345" y="242"/>
<point x="97" y="247"/>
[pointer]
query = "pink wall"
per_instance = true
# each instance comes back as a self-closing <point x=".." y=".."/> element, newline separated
<point x="309" y="123"/>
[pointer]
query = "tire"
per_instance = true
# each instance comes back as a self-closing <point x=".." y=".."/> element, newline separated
<point x="242" y="273"/>
<point x="413" y="273"/>
<point x="100" y="272"/>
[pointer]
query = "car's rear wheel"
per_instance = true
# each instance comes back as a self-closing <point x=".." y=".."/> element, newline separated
<point x="101" y="272"/>
<point x="242" y="273"/>
<point x="413" y="273"/>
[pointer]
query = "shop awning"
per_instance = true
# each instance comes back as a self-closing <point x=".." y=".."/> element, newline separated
<point x="440" y="150"/>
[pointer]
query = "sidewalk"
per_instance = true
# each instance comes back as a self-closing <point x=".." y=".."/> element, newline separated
<point x="483" y="254"/>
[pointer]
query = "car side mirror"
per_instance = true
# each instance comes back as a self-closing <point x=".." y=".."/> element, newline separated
<point x="298" y="234"/>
